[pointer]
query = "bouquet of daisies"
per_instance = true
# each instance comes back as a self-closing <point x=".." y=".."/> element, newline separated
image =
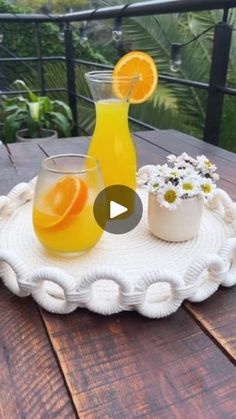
<point x="182" y="178"/>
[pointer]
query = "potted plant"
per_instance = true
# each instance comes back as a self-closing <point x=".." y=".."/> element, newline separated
<point x="177" y="192"/>
<point x="35" y="117"/>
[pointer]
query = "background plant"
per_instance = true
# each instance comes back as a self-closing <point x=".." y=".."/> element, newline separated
<point x="35" y="113"/>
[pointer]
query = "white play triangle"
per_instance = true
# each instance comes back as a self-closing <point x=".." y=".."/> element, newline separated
<point x="116" y="209"/>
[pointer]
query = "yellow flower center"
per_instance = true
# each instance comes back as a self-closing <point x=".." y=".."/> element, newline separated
<point x="188" y="186"/>
<point x="208" y="164"/>
<point x="174" y="174"/>
<point x="206" y="188"/>
<point x="170" y="196"/>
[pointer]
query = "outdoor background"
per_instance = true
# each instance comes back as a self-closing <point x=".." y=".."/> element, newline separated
<point x="172" y="106"/>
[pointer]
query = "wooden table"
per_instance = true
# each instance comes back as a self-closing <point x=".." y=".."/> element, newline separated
<point x="125" y="365"/>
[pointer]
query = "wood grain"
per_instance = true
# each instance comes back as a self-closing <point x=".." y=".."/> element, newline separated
<point x="218" y="313"/>
<point x="206" y="147"/>
<point x="147" y="153"/>
<point x="31" y="385"/>
<point x="27" y="159"/>
<point x="126" y="366"/>
<point x="171" y="143"/>
<point x="8" y="172"/>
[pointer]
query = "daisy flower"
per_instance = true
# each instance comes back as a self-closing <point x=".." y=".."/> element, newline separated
<point x="169" y="196"/>
<point x="190" y="186"/>
<point x="205" y="165"/>
<point x="207" y="188"/>
<point x="215" y="176"/>
<point x="171" y="158"/>
<point x="144" y="174"/>
<point x="155" y="183"/>
<point x="186" y="157"/>
<point x="163" y="170"/>
<point x="182" y="178"/>
<point x="175" y="173"/>
<point x="184" y="160"/>
<point x="188" y="172"/>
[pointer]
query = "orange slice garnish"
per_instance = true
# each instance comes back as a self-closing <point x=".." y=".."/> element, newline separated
<point x="66" y="197"/>
<point x="136" y="64"/>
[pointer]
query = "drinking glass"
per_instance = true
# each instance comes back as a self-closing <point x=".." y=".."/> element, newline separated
<point x="66" y="189"/>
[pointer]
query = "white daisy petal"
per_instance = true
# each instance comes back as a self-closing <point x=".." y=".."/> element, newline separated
<point x="169" y="196"/>
<point x="208" y="188"/>
<point x="182" y="178"/>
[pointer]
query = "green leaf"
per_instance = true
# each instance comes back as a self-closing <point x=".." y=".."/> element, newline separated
<point x="60" y="123"/>
<point x="21" y="101"/>
<point x="64" y="108"/>
<point x="11" y="108"/>
<point x="11" y="126"/>
<point x="87" y="118"/>
<point x="33" y="97"/>
<point x="34" y="109"/>
<point x="45" y="104"/>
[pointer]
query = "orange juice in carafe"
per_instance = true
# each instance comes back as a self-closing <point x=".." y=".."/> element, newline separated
<point x="111" y="143"/>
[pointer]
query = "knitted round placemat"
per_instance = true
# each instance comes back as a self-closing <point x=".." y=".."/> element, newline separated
<point x="133" y="271"/>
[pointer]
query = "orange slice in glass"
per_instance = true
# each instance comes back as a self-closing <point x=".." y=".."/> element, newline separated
<point x="141" y="65"/>
<point x="66" y="197"/>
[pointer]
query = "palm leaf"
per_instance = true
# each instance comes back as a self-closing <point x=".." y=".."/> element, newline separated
<point x="146" y="33"/>
<point x="86" y="118"/>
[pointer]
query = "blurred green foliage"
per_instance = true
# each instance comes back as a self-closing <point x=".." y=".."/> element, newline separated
<point x="172" y="106"/>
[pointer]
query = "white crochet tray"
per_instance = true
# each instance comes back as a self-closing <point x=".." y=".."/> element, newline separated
<point x="134" y="271"/>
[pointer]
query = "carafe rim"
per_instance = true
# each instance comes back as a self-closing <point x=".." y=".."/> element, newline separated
<point x="106" y="76"/>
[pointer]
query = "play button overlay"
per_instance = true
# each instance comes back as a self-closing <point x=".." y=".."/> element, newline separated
<point x="118" y="209"/>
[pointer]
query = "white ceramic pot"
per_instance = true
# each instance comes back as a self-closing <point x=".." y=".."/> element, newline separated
<point x="23" y="135"/>
<point x="175" y="225"/>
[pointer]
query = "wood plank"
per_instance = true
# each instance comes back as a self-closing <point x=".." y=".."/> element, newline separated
<point x="225" y="154"/>
<point x="80" y="375"/>
<point x="149" y="155"/>
<point x="80" y="145"/>
<point x="127" y="366"/>
<point x="31" y="384"/>
<point x="8" y="172"/>
<point x="173" y="143"/>
<point x="19" y="163"/>
<point x="146" y="154"/>
<point x="105" y="360"/>
<point x="27" y="159"/>
<point x="62" y="146"/>
<point x="217" y="314"/>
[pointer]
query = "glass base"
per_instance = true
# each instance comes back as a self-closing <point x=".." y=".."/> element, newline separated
<point x="66" y="254"/>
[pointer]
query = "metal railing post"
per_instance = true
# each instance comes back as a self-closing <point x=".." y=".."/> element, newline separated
<point x="218" y="76"/>
<point x="70" y="70"/>
<point x="40" y="59"/>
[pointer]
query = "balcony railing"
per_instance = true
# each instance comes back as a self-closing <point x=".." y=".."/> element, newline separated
<point x="216" y="87"/>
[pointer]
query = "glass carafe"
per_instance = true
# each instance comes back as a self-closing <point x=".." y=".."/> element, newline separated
<point x="111" y="143"/>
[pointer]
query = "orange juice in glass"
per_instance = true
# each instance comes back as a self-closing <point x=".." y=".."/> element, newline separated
<point x="66" y="189"/>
